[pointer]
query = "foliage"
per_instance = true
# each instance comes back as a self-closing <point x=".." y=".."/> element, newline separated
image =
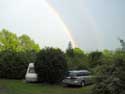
<point x="94" y="59"/>
<point x="78" y="52"/>
<point x="69" y="51"/>
<point x="122" y="44"/>
<point x="27" y="44"/>
<point x="76" y="61"/>
<point x="111" y="75"/>
<point x="9" y="40"/>
<point x="15" y="54"/>
<point x="13" y="65"/>
<point x="51" y="65"/>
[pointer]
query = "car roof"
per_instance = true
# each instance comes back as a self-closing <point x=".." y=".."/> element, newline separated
<point x="76" y="71"/>
<point x="31" y="64"/>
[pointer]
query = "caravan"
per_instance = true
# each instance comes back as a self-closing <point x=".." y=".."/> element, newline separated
<point x="31" y="75"/>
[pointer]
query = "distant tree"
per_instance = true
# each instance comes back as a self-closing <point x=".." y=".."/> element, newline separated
<point x="78" y="52"/>
<point x="78" y="60"/>
<point x="27" y="44"/>
<point x="94" y="59"/>
<point x="122" y="44"/>
<point x="51" y="65"/>
<point x="8" y="40"/>
<point x="69" y="50"/>
<point x="107" y="52"/>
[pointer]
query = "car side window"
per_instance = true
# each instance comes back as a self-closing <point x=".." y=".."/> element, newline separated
<point x="83" y="74"/>
<point x="31" y="70"/>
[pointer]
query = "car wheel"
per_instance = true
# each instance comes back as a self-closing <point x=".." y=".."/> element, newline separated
<point x="82" y="83"/>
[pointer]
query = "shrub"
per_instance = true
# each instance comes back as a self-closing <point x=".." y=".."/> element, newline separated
<point x="51" y="65"/>
<point x="111" y="76"/>
<point x="94" y="59"/>
<point x="13" y="65"/>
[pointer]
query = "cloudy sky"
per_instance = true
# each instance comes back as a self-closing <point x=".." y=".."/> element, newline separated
<point x="93" y="24"/>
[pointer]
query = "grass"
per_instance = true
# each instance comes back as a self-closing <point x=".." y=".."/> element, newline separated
<point x="20" y="87"/>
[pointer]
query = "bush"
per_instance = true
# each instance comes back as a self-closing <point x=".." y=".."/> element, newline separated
<point x="94" y="59"/>
<point x="13" y="65"/>
<point x="111" y="76"/>
<point x="77" y="60"/>
<point x="51" y="65"/>
<point x="13" y="70"/>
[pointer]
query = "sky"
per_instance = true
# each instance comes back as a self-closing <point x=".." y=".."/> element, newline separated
<point x="92" y="24"/>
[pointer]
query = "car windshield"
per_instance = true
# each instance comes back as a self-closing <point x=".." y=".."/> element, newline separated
<point x="79" y="73"/>
<point x="31" y="70"/>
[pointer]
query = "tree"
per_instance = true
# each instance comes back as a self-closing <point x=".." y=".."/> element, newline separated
<point x="78" y="52"/>
<point x="27" y="44"/>
<point x="107" y="53"/>
<point x="78" y="61"/>
<point x="122" y="44"/>
<point x="69" y="50"/>
<point x="94" y="59"/>
<point x="51" y="65"/>
<point x="9" y="40"/>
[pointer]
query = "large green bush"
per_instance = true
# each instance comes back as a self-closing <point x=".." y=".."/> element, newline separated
<point x="111" y="75"/>
<point x="13" y="65"/>
<point x="51" y="65"/>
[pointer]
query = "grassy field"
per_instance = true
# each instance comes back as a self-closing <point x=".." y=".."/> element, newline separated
<point x="20" y="87"/>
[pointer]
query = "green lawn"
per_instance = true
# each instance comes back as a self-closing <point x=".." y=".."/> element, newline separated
<point x="20" y="87"/>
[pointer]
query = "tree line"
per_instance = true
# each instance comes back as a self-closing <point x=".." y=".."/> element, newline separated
<point x="52" y="64"/>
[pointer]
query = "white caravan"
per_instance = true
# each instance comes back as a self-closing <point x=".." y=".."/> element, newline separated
<point x="31" y="75"/>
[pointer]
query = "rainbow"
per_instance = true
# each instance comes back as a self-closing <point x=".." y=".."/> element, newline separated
<point x="66" y="30"/>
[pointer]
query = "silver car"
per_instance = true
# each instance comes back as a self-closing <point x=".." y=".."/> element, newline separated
<point x="78" y="77"/>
